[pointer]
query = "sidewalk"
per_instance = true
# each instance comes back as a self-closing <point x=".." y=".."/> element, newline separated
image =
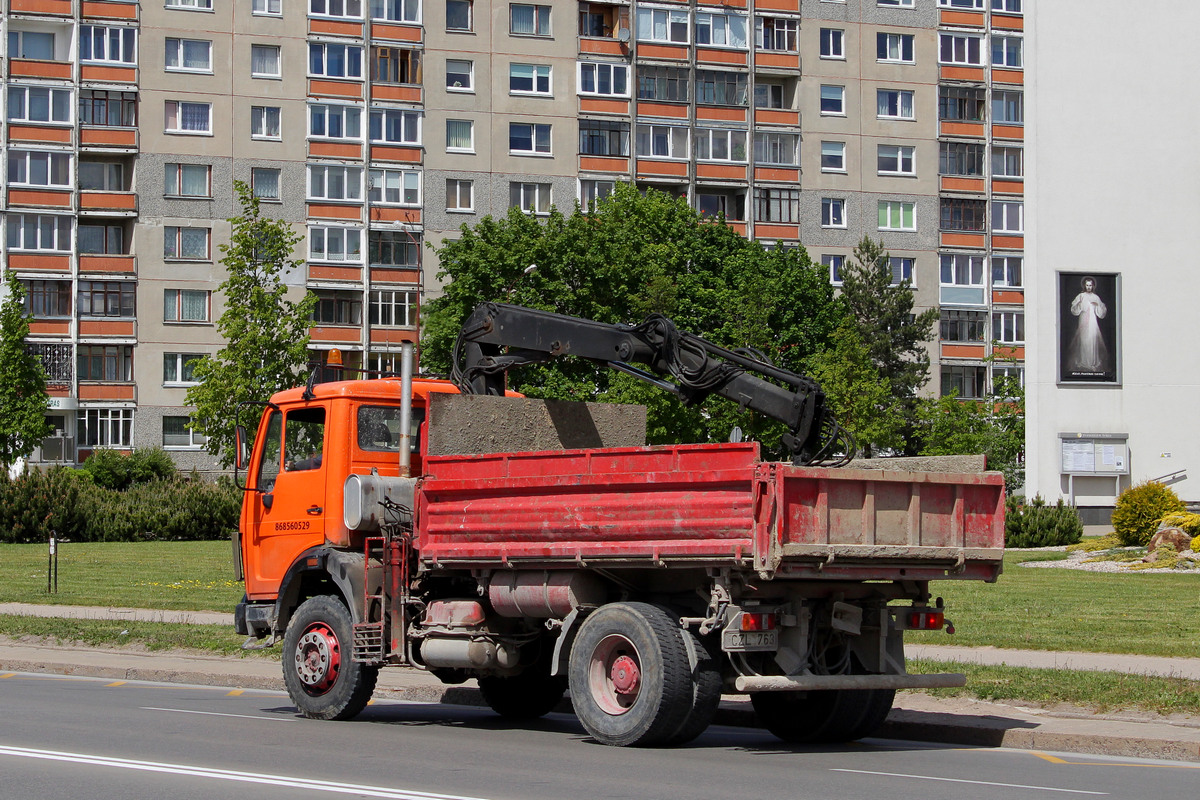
<point x="915" y="716"/>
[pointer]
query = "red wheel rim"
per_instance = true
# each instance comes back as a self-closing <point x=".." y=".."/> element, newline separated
<point x="318" y="658"/>
<point x="615" y="674"/>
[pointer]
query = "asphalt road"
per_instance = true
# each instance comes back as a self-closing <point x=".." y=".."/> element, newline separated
<point x="69" y="737"/>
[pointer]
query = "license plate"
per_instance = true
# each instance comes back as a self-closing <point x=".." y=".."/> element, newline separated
<point x="749" y="641"/>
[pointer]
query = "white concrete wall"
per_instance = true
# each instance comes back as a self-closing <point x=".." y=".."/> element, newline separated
<point x="1113" y="185"/>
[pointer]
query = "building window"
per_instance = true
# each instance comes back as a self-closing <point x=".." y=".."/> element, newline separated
<point x="184" y="117"/>
<point x="963" y="215"/>
<point x="598" y="20"/>
<point x="1008" y="216"/>
<point x="394" y="187"/>
<point x="960" y="158"/>
<point x="264" y="122"/>
<point x="38" y="104"/>
<point x="264" y="183"/>
<point x="176" y="434"/>
<point x="722" y="30"/>
<point x="603" y="79"/>
<point x="833" y="100"/>
<point x="714" y="203"/>
<point x="108" y="109"/>
<point x="777" y="34"/>
<point x="973" y="5"/>
<point x="662" y="141"/>
<point x="592" y="191"/>
<point x="777" y="205"/>
<point x="40" y="232"/>
<point x="328" y="243"/>
<point x="777" y="149"/>
<point x="188" y="244"/>
<point x="835" y="264"/>
<point x="106" y="298"/>
<point x="329" y="60"/>
<point x="833" y="43"/>
<point x="528" y="20"/>
<point x="532" y="198"/>
<point x="1008" y="162"/>
<point x="460" y="136"/>
<point x="102" y="176"/>
<point x="272" y="8"/>
<point x="345" y="9"/>
<point x="108" y="427"/>
<point x="34" y="45"/>
<point x="1006" y="51"/>
<point x="902" y="270"/>
<point x="265" y="61"/>
<point x="102" y="239"/>
<point x="833" y="212"/>
<point x="396" y="65"/>
<point x="337" y="308"/>
<point x="458" y="15"/>
<point x="115" y="45"/>
<point x="199" y="5"/>
<point x="962" y="326"/>
<point x="896" y="3"/>
<point x="460" y="75"/>
<point x="396" y="10"/>
<point x="1006" y="271"/>
<point x="334" y="183"/>
<point x="529" y="79"/>
<point x="1008" y="327"/>
<point x="1008" y="107"/>
<point x="769" y="94"/>
<point x="894" y="159"/>
<point x="967" y="382"/>
<point x="395" y="126"/>
<point x="393" y="248"/>
<point x="187" y="180"/>
<point x="104" y="362"/>
<point x="662" y="25"/>
<point x="1007" y="6"/>
<point x="895" y="47"/>
<point x="720" y="144"/>
<point x="896" y="215"/>
<point x="335" y="122"/>
<point x="957" y="48"/>
<point x="188" y="55"/>
<point x="961" y="103"/>
<point x="721" y="88"/>
<point x="33" y="168"/>
<point x="185" y="305"/>
<point x="460" y="195"/>
<point x="393" y="308"/>
<point x="528" y="138"/>
<point x="603" y="137"/>
<point x="894" y="104"/>
<point x="959" y="269"/>
<point x="47" y="298"/>
<point x="833" y="156"/>
<point x="1007" y="380"/>
<point x="662" y="83"/>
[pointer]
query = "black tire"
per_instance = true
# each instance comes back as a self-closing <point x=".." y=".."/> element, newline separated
<point x="806" y="717"/>
<point x="706" y="692"/>
<point x="319" y="670"/>
<point x="530" y="694"/>
<point x="879" y="705"/>
<point x="629" y="675"/>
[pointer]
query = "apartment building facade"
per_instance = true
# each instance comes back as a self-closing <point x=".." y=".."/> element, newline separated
<point x="377" y="126"/>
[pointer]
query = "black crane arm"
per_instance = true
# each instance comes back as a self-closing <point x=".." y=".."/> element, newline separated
<point x="497" y="337"/>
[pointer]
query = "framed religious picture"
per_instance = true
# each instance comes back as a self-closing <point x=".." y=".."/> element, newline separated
<point x="1089" y="343"/>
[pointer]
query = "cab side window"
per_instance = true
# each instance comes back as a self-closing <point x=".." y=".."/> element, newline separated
<point x="379" y="428"/>
<point x="304" y="439"/>
<point x="268" y="467"/>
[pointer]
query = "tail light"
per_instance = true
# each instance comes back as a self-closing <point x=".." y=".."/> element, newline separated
<point x="758" y="621"/>
<point x="926" y="620"/>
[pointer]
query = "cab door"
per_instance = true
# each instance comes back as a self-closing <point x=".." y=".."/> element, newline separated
<point x="287" y="513"/>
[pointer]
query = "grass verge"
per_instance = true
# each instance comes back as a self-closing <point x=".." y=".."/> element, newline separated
<point x="1097" y="691"/>
<point x="143" y="636"/>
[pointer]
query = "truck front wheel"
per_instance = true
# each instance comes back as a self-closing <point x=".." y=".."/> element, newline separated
<point x="319" y="670"/>
<point x="629" y="675"/>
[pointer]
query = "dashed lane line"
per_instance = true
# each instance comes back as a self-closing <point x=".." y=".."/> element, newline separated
<point x="218" y="714"/>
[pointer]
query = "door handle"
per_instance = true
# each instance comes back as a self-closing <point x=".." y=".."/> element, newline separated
<point x="315" y="510"/>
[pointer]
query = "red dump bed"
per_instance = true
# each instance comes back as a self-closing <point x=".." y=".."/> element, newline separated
<point x="710" y="505"/>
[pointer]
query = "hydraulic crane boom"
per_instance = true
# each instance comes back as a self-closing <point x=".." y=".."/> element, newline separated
<point x="682" y="363"/>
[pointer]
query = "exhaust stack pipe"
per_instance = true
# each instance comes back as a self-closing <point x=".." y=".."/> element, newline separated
<point x="406" y="377"/>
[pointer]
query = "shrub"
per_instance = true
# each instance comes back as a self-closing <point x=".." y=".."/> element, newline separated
<point x="1186" y="521"/>
<point x="37" y="502"/>
<point x="174" y="509"/>
<point x="1040" y="525"/>
<point x="1140" y="508"/>
<point x="113" y="469"/>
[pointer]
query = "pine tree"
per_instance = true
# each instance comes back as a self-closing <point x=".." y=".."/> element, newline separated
<point x="23" y="398"/>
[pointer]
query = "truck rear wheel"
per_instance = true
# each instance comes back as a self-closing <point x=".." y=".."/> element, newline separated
<point x="629" y="675"/>
<point x="804" y="717"/>
<point x="706" y="692"/>
<point x="319" y="670"/>
<point x="530" y="694"/>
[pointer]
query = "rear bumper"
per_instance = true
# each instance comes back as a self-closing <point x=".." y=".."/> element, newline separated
<point x="806" y="683"/>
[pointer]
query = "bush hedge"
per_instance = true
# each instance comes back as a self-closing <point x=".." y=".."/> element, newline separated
<point x="1140" y="508"/>
<point x="1040" y="525"/>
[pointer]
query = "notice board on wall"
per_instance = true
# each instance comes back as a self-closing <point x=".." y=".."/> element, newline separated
<point x="1094" y="453"/>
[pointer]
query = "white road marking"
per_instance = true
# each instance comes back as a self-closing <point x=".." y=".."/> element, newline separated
<point x="962" y="780"/>
<point x="285" y="781"/>
<point x="215" y="714"/>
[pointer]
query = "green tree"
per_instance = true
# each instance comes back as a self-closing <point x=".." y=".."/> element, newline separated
<point x="23" y="398"/>
<point x="265" y="333"/>
<point x="860" y="397"/>
<point x="630" y="256"/>
<point x="893" y="335"/>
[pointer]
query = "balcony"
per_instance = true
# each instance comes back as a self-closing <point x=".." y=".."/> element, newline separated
<point x="57" y="8"/>
<point x="39" y="134"/>
<point x="39" y="69"/>
<point x="108" y="139"/>
<point x="111" y="204"/>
